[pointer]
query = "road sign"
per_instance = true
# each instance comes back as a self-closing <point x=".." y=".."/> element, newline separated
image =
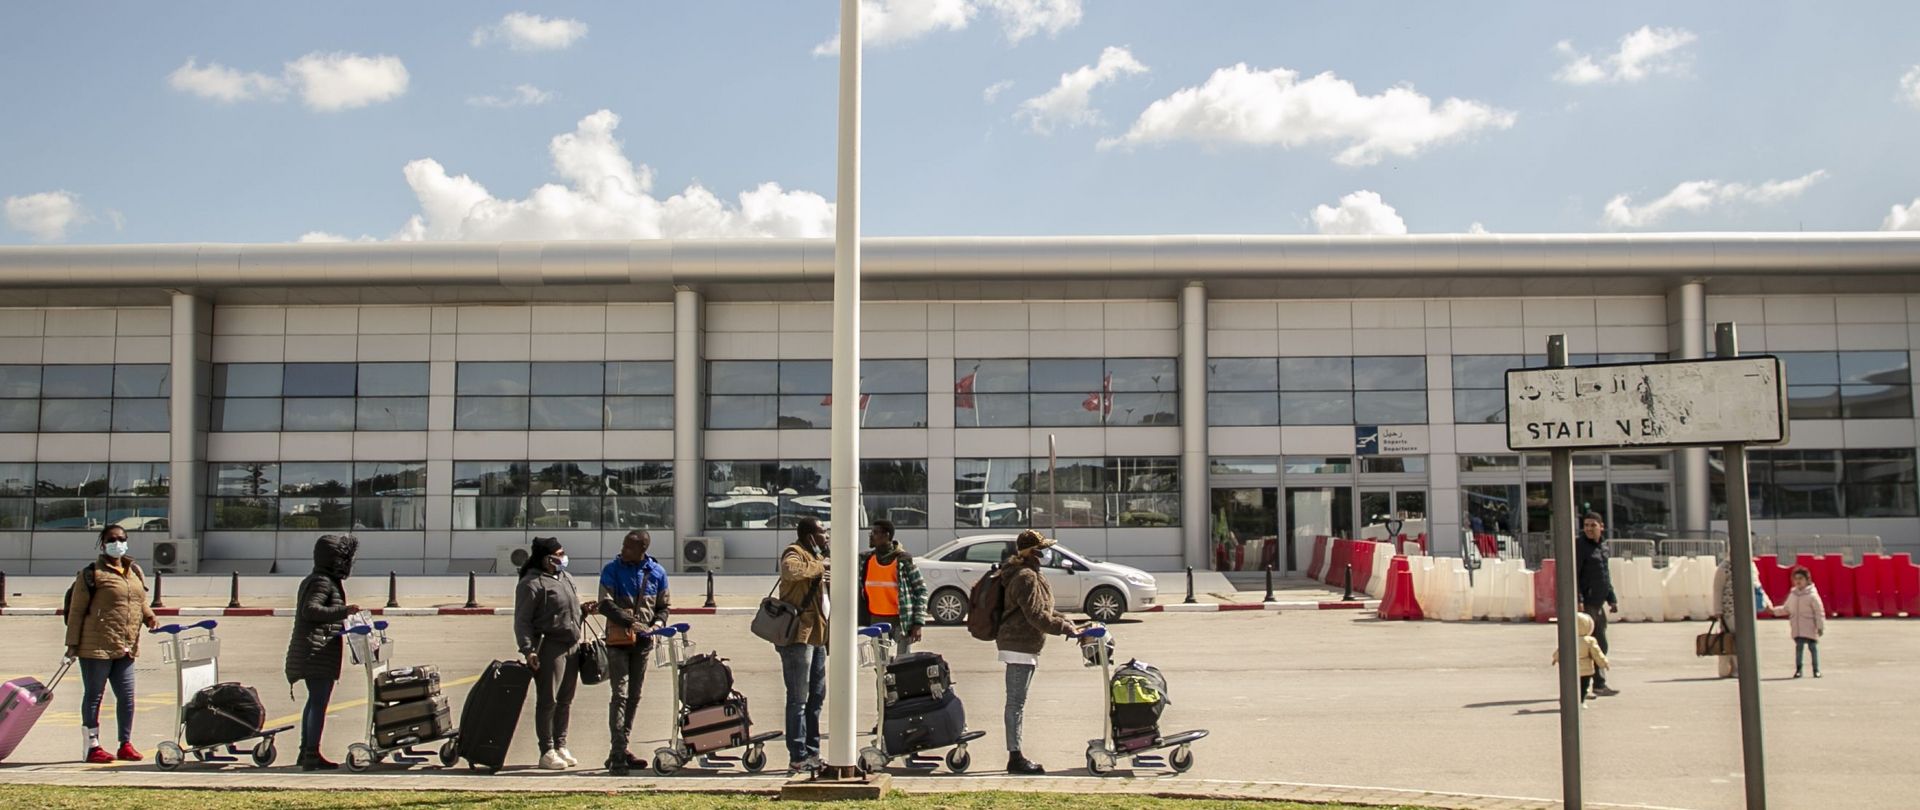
<point x="1668" y="404"/>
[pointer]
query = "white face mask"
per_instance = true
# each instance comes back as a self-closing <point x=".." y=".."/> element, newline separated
<point x="560" y="562"/>
<point x="116" y="548"/>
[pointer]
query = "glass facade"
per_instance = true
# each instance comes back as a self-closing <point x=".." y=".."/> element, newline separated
<point x="304" y="397"/>
<point x="1480" y="380"/>
<point x="1848" y="385"/>
<point x="100" y="398"/>
<point x="563" y="396"/>
<point x="779" y="494"/>
<point x="1071" y="392"/>
<point x="798" y="394"/>
<point x="84" y="496"/>
<point x="562" y="495"/>
<point x="1119" y="492"/>
<point x="1823" y="484"/>
<point x="349" y="496"/>
<point x="1260" y="391"/>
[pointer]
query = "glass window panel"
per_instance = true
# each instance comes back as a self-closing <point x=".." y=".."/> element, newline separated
<point x="1147" y="511"/>
<point x="576" y="477"/>
<point x="250" y="479"/>
<point x="806" y="377"/>
<point x="1389" y="407"/>
<point x="243" y="514"/>
<point x="893" y="376"/>
<point x="991" y="474"/>
<point x="71" y="479"/>
<point x="320" y="379"/>
<point x="1390" y="373"/>
<point x="1064" y="410"/>
<point x="1479" y="406"/>
<point x="895" y="411"/>
<point x="312" y="479"/>
<point x="1144" y="474"/>
<point x="802" y="477"/>
<point x="58" y="514"/>
<point x="237" y="415"/>
<point x="389" y="514"/>
<point x="1641" y="510"/>
<point x="1879" y="466"/>
<point x="569" y="379"/>
<point x="1146" y="409"/>
<point x="1316" y="408"/>
<point x="1811" y="368"/>
<point x="317" y="414"/>
<point x="565" y="413"/>
<point x="246" y="380"/>
<point x="490" y="478"/>
<point x="393" y="379"/>
<point x="983" y="510"/>
<point x="391" y="413"/>
<point x="139" y="479"/>
<point x="390" y="479"/>
<point x="1393" y="464"/>
<point x="1489" y="463"/>
<point x="743" y="376"/>
<point x="310" y="514"/>
<point x="639" y="413"/>
<point x="1317" y="465"/>
<point x="1882" y="368"/>
<point x="19" y="415"/>
<point x="138" y="514"/>
<point x="1244" y="466"/>
<point x="741" y="477"/>
<point x="742" y="412"/>
<point x="16" y="480"/>
<point x="1630" y="358"/>
<point x="640" y="378"/>
<point x="1638" y="461"/>
<point x="742" y="511"/>
<point x="1881" y="500"/>
<point x="1082" y="376"/>
<point x="76" y="381"/>
<point x="1876" y="401"/>
<point x="639" y="512"/>
<point x="1242" y="374"/>
<point x="991" y="410"/>
<point x="894" y="476"/>
<point x="1493" y="509"/>
<point x="991" y="375"/>
<point x="640" y="477"/>
<point x="140" y="416"/>
<point x="801" y="411"/>
<point x="483" y="512"/>
<point x="1806" y="484"/>
<point x="1813" y="402"/>
<point x="16" y="514"/>
<point x="19" y="382"/>
<point x="1159" y="374"/>
<point x="1315" y="374"/>
<point x="492" y="379"/>
<point x="76" y="415"/>
<point x="906" y="511"/>
<point x="147" y="380"/>
<point x="490" y="413"/>
<point x="1483" y="370"/>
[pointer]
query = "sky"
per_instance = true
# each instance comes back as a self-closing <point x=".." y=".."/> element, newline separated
<point x="133" y="122"/>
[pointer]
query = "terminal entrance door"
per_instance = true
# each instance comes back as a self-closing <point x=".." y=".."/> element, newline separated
<point x="1315" y="512"/>
<point x="1244" y="534"/>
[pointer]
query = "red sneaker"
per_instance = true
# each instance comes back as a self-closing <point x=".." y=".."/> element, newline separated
<point x="99" y="756"/>
<point x="128" y="754"/>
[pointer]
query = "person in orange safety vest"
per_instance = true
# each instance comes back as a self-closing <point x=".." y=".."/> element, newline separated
<point x="891" y="588"/>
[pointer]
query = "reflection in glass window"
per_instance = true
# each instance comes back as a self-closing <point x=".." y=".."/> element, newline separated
<point x="393" y="380"/>
<point x="319" y="379"/>
<point x="270" y="397"/>
<point x="638" y="377"/>
<point x="1384" y="390"/>
<point x="639" y="413"/>
<point x="127" y="398"/>
<point x="1066" y="392"/>
<point x="150" y="381"/>
<point x="797" y="394"/>
<point x="558" y="379"/>
<point x="564" y="413"/>
<point x="1110" y="492"/>
<point x="1849" y="385"/>
<point x="563" y="495"/>
<point x="315" y="414"/>
<point x="779" y="494"/>
<point x="19" y="382"/>
<point x="76" y="381"/>
<point x="492" y="379"/>
<point x="76" y="415"/>
<point x="71" y="496"/>
<point x="390" y="413"/>
<point x="490" y="413"/>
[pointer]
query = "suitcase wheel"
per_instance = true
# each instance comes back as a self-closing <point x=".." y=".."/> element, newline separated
<point x="169" y="755"/>
<point x="958" y="759"/>
<point x="359" y="756"/>
<point x="1182" y="759"/>
<point x="264" y="753"/>
<point x="449" y="753"/>
<point x="755" y="760"/>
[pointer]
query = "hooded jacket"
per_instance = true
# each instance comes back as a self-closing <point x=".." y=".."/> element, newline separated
<point x="313" y="653"/>
<point x="107" y="614"/>
<point x="1027" y="616"/>
<point x="1591" y="657"/>
<point x="1806" y="613"/>
<point x="546" y="605"/>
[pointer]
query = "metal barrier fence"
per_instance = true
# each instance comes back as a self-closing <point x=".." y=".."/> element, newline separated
<point x="1536" y="547"/>
<point x="1790" y="546"/>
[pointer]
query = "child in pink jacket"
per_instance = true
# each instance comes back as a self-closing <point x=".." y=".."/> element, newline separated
<point x="1806" y="617"/>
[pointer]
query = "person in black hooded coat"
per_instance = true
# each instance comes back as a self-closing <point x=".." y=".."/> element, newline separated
<point x="314" y="653"/>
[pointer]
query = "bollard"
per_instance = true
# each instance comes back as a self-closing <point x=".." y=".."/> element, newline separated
<point x="710" y="602"/>
<point x="472" y="601"/>
<point x="1190" y="600"/>
<point x="158" y="577"/>
<point x="393" y="590"/>
<point x="233" y="600"/>
<point x="1269" y="586"/>
<point x="3" y="589"/>
<point x="1347" y="594"/>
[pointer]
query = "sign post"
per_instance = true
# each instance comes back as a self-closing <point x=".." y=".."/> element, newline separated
<point x="1727" y="402"/>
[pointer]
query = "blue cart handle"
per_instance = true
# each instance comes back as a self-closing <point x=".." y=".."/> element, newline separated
<point x="1092" y="632"/>
<point x="176" y="629"/>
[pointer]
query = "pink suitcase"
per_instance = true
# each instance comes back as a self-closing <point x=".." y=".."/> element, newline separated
<point x="22" y="701"/>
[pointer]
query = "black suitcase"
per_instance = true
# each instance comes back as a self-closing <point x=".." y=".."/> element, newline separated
<point x="718" y="727"/>
<point x="705" y="680"/>
<point x="406" y="683"/>
<point x="923" y="723"/>
<point x="918" y="675"/>
<point x="491" y="712"/>
<point x="437" y="723"/>
<point x="410" y="711"/>
<point x="222" y="713"/>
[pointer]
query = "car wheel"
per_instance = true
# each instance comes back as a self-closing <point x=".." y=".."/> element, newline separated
<point x="1106" y="604"/>
<point x="948" y="606"/>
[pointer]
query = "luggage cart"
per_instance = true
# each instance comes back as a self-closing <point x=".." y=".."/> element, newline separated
<point x="670" y="649"/>
<point x="371" y="647"/>
<point x="196" y="666"/>
<point x="1103" y="754"/>
<point x="880" y="647"/>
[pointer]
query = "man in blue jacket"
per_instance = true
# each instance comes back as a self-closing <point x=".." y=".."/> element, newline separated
<point x="633" y="598"/>
<point x="1596" y="587"/>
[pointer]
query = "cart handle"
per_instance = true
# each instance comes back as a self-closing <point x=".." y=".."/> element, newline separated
<point x="1092" y="632"/>
<point x="876" y="630"/>
<point x="668" y="632"/>
<point x="362" y="630"/>
<point x="176" y="629"/>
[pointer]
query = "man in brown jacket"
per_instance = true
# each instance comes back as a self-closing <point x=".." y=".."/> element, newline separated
<point x="1027" y="617"/>
<point x="803" y="660"/>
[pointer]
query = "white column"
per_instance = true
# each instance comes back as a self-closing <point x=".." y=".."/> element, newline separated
<point x="843" y="659"/>
<point x="689" y="468"/>
<point x="192" y="372"/>
<point x="1687" y="340"/>
<point x="1195" y="497"/>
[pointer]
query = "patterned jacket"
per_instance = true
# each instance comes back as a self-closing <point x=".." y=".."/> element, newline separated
<point x="913" y="591"/>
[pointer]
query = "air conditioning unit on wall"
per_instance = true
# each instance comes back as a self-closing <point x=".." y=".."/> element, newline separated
<point x="176" y="556"/>
<point x="508" y="559"/>
<point x="699" y="555"/>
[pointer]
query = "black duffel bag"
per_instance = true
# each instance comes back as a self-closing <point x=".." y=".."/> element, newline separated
<point x="705" y="680"/>
<point x="223" y="713"/>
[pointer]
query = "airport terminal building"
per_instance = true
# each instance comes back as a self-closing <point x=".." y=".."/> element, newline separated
<point x="1217" y="401"/>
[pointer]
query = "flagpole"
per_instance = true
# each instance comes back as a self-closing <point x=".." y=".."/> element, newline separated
<point x="843" y="654"/>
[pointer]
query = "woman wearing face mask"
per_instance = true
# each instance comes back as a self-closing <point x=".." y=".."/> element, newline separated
<point x="547" y="613"/>
<point x="313" y="653"/>
<point x="105" y="612"/>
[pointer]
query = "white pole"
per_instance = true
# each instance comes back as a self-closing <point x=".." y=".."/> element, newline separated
<point x="843" y="659"/>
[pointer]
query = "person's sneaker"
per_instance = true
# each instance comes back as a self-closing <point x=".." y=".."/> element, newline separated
<point x="619" y="766"/>
<point x="1019" y="765"/>
<point x="568" y="756"/>
<point x="1796" y="673"/>
<point x="1605" y="691"/>
<point x="99" y="756"/>
<point x="128" y="753"/>
<point x="552" y="761"/>
<point x="1816" y="673"/>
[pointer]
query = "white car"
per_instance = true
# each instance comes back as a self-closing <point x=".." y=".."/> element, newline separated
<point x="1102" y="590"/>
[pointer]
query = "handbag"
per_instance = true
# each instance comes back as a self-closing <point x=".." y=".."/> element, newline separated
<point x="620" y="635"/>
<point x="778" y="621"/>
<point x="591" y="660"/>
<point x="1714" y="643"/>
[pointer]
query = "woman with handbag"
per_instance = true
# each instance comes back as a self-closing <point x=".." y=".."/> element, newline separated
<point x="547" y="616"/>
<point x="633" y="598"/>
<point x="1730" y="607"/>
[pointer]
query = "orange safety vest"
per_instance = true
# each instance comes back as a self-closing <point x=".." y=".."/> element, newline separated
<point x="883" y="587"/>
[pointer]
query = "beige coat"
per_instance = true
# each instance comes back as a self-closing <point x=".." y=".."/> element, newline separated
<point x="1591" y="658"/>
<point x="107" y="620"/>
<point x="801" y="571"/>
<point x="1806" y="613"/>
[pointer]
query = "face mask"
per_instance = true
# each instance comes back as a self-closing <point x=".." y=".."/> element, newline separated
<point x="116" y="548"/>
<point x="560" y="562"/>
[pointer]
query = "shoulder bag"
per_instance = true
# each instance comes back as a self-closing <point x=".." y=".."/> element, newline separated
<point x="592" y="659"/>
<point x="778" y="621"/>
<point x="1714" y="643"/>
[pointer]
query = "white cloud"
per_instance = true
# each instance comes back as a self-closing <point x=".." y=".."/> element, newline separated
<point x="896" y="22"/>
<point x="1069" y="102"/>
<point x="1642" y="54"/>
<point x="603" y="195"/>
<point x="1910" y="86"/>
<point x="521" y="95"/>
<point x="1903" y="218"/>
<point x="1020" y="19"/>
<point x="1478" y="229"/>
<point x="531" y="32"/>
<point x="224" y="84"/>
<point x="1360" y="213"/>
<point x="47" y="216"/>
<point x="343" y="81"/>
<point x="1697" y="196"/>
<point x="1276" y="108"/>
<point x="993" y="91"/>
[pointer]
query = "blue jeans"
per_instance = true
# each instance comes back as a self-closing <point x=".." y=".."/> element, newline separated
<point x="96" y="673"/>
<point x="1800" y="647"/>
<point x="803" y="667"/>
<point x="313" y="719"/>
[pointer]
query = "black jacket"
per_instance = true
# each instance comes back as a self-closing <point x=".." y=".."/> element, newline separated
<point x="313" y="653"/>
<point x="1596" y="583"/>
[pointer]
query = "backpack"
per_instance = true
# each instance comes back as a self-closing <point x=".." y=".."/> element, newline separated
<point x="983" y="606"/>
<point x="1139" y="694"/>
<point x="705" y="680"/>
<point x="66" y="616"/>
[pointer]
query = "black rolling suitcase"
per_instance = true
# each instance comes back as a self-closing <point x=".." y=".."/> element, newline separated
<point x="406" y="683"/>
<point x="923" y="723"/>
<point x="491" y="712"/>
<point x="918" y="675"/>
